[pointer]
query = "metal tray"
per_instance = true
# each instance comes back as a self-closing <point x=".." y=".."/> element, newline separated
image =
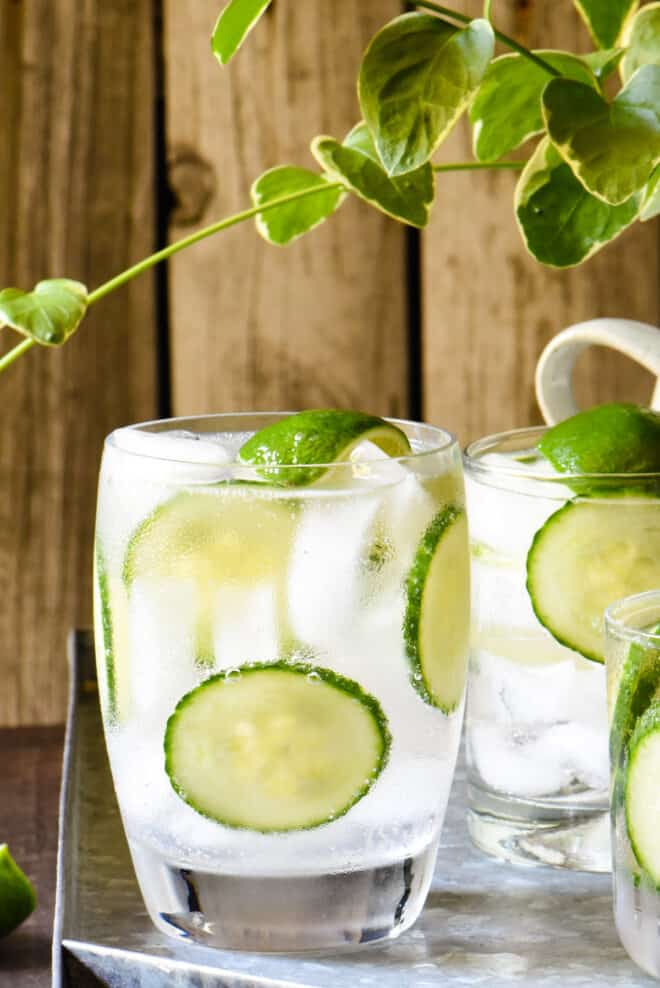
<point x="485" y="923"/>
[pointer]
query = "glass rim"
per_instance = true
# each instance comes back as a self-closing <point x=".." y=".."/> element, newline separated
<point x="446" y="440"/>
<point x="615" y="623"/>
<point x="475" y="449"/>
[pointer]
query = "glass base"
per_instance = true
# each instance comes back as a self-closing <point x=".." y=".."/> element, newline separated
<point x="295" y="913"/>
<point x="637" y="913"/>
<point x="561" y="835"/>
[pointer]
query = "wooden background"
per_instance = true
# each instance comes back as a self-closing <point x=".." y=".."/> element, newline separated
<point x="119" y="131"/>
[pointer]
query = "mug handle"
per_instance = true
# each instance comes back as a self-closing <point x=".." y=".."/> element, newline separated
<point x="554" y="371"/>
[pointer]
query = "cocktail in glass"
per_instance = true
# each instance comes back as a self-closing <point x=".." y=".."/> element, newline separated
<point x="633" y="689"/>
<point x="281" y="658"/>
<point x="549" y="552"/>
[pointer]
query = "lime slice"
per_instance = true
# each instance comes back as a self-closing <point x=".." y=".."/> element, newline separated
<point x="317" y="437"/>
<point x="641" y="794"/>
<point x="587" y="555"/>
<point x="616" y="438"/>
<point x="275" y="747"/>
<point x="17" y="896"/>
<point x="437" y="616"/>
<point x="230" y="534"/>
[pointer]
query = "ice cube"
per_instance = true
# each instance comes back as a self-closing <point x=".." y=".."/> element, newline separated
<point x="537" y="692"/>
<point x="325" y="577"/>
<point x="246" y="625"/>
<point x="521" y="763"/>
<point x="161" y="640"/>
<point x="175" y="456"/>
<point x="500" y="597"/>
<point x="507" y="520"/>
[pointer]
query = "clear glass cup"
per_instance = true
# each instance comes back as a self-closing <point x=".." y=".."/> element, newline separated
<point x="633" y="681"/>
<point x="536" y="717"/>
<point x="348" y="593"/>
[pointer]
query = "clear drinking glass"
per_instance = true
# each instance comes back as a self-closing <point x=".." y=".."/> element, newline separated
<point x="315" y="628"/>
<point x="633" y="682"/>
<point x="536" y="720"/>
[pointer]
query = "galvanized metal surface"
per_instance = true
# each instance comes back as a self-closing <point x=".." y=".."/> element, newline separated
<point x="484" y="923"/>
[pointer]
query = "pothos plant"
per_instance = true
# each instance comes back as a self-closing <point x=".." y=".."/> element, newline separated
<point x="594" y="169"/>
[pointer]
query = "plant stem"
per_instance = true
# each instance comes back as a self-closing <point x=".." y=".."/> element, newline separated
<point x="208" y="231"/>
<point x="471" y="166"/>
<point x="504" y="38"/>
<point x="15" y="353"/>
<point x="487" y="6"/>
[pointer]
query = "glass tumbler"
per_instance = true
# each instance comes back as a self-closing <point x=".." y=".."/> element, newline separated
<point x="633" y="690"/>
<point x="549" y="553"/>
<point x="281" y="666"/>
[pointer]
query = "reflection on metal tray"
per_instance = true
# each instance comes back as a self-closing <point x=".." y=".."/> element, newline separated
<point x="485" y="923"/>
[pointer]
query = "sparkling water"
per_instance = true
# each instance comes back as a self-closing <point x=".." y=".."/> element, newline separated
<point x="345" y="546"/>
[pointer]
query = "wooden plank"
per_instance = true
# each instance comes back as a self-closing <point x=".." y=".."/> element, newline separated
<point x="76" y="199"/>
<point x="32" y="761"/>
<point x="489" y="308"/>
<point x="323" y="322"/>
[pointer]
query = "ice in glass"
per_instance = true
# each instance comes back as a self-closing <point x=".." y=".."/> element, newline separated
<point x="281" y="656"/>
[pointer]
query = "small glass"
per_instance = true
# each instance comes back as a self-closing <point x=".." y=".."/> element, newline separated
<point x="633" y="686"/>
<point x="538" y="769"/>
<point x="250" y="631"/>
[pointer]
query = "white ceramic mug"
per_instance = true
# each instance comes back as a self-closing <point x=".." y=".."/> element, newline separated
<point x="554" y="371"/>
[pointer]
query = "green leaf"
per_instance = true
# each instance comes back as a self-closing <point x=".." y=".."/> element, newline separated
<point x="603" y="63"/>
<point x="561" y="223"/>
<point x="356" y="163"/>
<point x="49" y="314"/>
<point x="416" y="79"/>
<point x="282" y="225"/>
<point x="611" y="147"/>
<point x="651" y="198"/>
<point x="642" y="40"/>
<point x="606" y="18"/>
<point x="234" y="24"/>
<point x="507" y="109"/>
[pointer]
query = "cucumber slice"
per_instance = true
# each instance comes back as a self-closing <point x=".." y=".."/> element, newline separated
<point x="228" y="533"/>
<point x="275" y="747"/>
<point x="437" y="617"/>
<point x="641" y="797"/>
<point x="111" y="619"/>
<point x="638" y="687"/>
<point x="587" y="555"/>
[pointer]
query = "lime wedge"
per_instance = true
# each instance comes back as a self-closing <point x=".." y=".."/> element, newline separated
<point x="275" y="747"/>
<point x="615" y="438"/>
<point x="17" y="896"/>
<point x="314" y="439"/>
